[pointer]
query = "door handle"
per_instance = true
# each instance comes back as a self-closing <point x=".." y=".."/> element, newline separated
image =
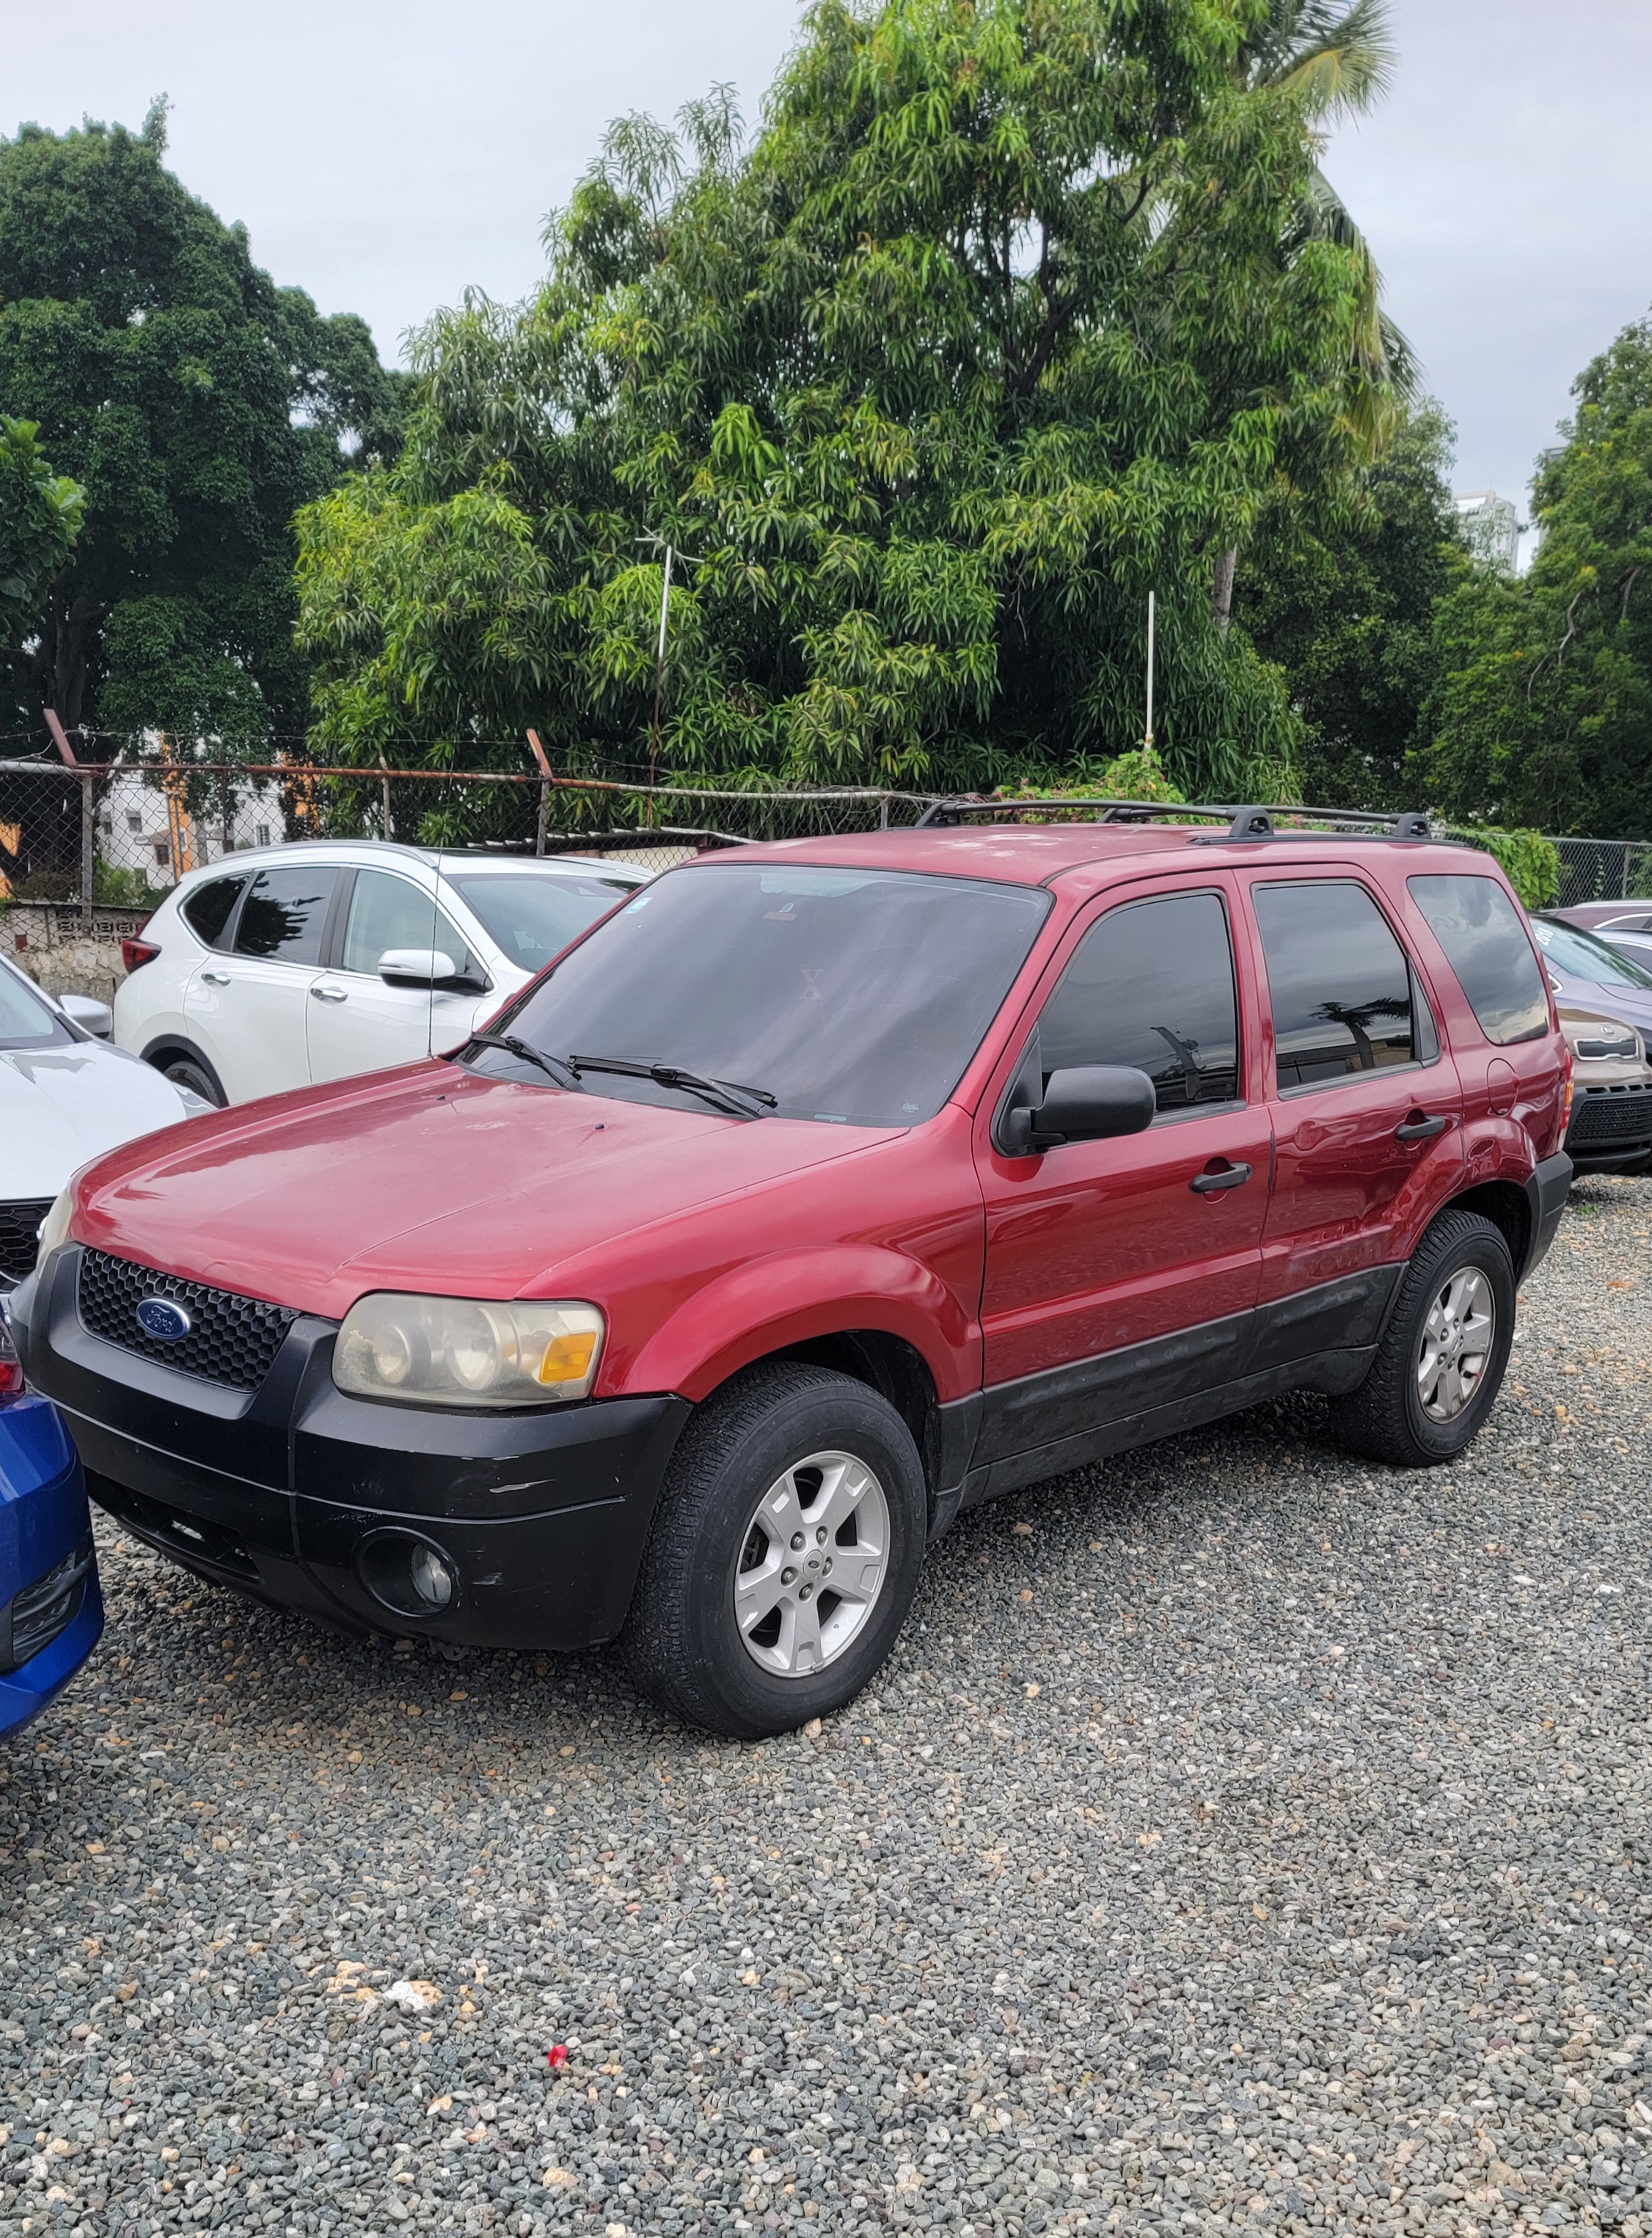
<point x="330" y="993"/>
<point x="1225" y="1177"/>
<point x="1421" y="1131"/>
<point x="217" y="978"/>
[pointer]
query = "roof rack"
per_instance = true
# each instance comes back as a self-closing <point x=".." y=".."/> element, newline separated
<point x="1242" y="822"/>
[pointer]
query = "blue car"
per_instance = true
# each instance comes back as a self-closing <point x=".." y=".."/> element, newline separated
<point x="52" y="1612"/>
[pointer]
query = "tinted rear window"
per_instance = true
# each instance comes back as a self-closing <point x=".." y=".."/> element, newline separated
<point x="1338" y="982"/>
<point x="207" y="910"/>
<point x="285" y="915"/>
<point x="1485" y="943"/>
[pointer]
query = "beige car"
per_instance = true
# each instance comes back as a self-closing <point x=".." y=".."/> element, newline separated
<point x="1611" y="1122"/>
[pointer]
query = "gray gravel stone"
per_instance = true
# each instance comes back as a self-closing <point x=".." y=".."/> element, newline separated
<point x="1242" y="1837"/>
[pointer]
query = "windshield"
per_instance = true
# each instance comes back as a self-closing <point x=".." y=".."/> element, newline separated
<point x="534" y="915"/>
<point x="855" y="996"/>
<point x="1567" y="950"/>
<point x="27" y="1022"/>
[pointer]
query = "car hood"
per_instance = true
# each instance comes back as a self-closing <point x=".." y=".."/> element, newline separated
<point x="430" y="1179"/>
<point x="62" y="1105"/>
<point x="1632" y="1005"/>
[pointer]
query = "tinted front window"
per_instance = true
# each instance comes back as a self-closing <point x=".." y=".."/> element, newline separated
<point x="855" y="995"/>
<point x="387" y="912"/>
<point x="1485" y="943"/>
<point x="26" y="1021"/>
<point x="1151" y="986"/>
<point x="1338" y="982"/>
<point x="285" y="915"/>
<point x="207" y="909"/>
<point x="1584" y="956"/>
<point x="534" y="915"/>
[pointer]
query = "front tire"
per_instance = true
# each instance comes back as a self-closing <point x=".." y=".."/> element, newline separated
<point x="1442" y="1356"/>
<point x="784" y="1556"/>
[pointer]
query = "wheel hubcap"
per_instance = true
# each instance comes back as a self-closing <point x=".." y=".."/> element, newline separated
<point x="811" y="1564"/>
<point x="1456" y="1344"/>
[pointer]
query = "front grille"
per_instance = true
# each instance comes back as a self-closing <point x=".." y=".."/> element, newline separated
<point x="19" y="1226"/>
<point x="1615" y="1116"/>
<point x="232" y="1340"/>
<point x="40" y="1612"/>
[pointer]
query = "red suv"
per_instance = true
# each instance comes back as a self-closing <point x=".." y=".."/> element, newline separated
<point x="822" y="1189"/>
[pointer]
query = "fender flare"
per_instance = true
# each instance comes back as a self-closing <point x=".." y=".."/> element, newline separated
<point x="789" y="1297"/>
<point x="161" y="1045"/>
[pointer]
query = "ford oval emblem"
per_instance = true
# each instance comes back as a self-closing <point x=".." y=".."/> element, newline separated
<point x="163" y="1319"/>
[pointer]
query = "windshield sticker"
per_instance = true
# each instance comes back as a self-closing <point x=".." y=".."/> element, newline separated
<point x="642" y="902"/>
<point x="811" y="992"/>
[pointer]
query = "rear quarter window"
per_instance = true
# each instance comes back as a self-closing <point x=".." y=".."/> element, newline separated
<point x="1486" y="945"/>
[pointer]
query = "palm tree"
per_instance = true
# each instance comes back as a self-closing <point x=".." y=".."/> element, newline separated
<point x="1338" y="59"/>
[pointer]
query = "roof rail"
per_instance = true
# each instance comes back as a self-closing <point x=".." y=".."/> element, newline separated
<point x="1243" y="822"/>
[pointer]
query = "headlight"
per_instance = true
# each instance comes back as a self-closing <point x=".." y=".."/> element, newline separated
<point x="465" y="1352"/>
<point x="54" y="1228"/>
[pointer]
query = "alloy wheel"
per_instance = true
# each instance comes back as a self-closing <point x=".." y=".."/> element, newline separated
<point x="813" y="1562"/>
<point x="1456" y="1344"/>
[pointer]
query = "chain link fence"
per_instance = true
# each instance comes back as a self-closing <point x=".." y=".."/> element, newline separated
<point x="1604" y="870"/>
<point x="86" y="852"/>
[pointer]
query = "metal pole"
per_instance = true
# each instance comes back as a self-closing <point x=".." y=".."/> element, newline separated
<point x="1149" y="740"/>
<point x="87" y="830"/>
<point x="543" y="759"/>
<point x="659" y="675"/>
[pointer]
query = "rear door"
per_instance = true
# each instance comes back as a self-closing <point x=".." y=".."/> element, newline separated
<point x="1121" y="1275"/>
<point x="1367" y="1112"/>
<point x="247" y="1006"/>
<point x="358" y="1023"/>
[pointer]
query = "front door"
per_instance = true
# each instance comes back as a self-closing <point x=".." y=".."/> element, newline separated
<point x="1367" y="1114"/>
<point x="357" y="1023"/>
<point x="247" y="1007"/>
<point x="1121" y="1276"/>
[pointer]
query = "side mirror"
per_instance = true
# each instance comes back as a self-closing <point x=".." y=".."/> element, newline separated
<point x="427" y="967"/>
<point x="89" y="1014"/>
<point x="1085" y="1103"/>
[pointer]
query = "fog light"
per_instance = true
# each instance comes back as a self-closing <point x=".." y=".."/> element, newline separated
<point x="407" y="1574"/>
<point x="432" y="1579"/>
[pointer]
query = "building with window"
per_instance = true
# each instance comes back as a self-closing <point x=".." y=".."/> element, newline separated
<point x="1489" y="527"/>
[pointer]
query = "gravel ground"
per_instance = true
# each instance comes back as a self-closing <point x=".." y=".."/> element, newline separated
<point x="1241" y="1835"/>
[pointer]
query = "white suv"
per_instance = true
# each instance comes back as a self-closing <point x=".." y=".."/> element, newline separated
<point x="287" y="965"/>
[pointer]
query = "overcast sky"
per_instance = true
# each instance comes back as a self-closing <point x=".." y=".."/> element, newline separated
<point x="385" y="156"/>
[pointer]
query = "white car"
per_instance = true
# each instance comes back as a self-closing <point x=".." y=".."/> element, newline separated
<point x="282" y="966"/>
<point x="65" y="1097"/>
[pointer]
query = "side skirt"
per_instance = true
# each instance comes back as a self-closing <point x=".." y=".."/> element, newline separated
<point x="1333" y="1372"/>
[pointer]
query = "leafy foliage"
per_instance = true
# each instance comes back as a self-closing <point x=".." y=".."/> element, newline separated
<point x="1542" y="712"/>
<point x="1008" y="314"/>
<point x="1530" y="862"/>
<point x="1343" y="600"/>
<point x="41" y="514"/>
<point x="196" y="404"/>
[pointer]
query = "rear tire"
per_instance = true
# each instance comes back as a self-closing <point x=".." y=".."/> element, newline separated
<point x="1440" y="1362"/>
<point x="727" y="1629"/>
<point x="199" y="1079"/>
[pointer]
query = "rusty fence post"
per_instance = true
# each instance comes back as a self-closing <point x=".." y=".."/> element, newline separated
<point x="540" y="757"/>
<point x="87" y="809"/>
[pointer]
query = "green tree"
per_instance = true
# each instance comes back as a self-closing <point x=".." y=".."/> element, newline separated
<point x="197" y="405"/>
<point x="1007" y="315"/>
<point x="1345" y="603"/>
<point x="1542" y="712"/>
<point x="40" y="513"/>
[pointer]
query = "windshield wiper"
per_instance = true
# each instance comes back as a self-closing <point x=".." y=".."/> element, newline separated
<point x="513" y="1045"/>
<point x="727" y="1095"/>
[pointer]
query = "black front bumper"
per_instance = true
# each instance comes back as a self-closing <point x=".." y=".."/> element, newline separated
<point x="542" y="1518"/>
